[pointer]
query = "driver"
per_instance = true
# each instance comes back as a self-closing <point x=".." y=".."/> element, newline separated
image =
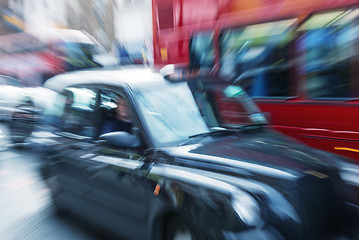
<point x="122" y="119"/>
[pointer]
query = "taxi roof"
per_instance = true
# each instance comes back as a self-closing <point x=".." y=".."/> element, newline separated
<point x="133" y="77"/>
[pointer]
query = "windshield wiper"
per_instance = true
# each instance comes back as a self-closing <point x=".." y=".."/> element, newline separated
<point x="252" y="125"/>
<point x="214" y="132"/>
<point x="235" y="127"/>
<point x="206" y="134"/>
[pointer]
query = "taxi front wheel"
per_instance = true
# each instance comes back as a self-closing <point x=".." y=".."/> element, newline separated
<point x="180" y="229"/>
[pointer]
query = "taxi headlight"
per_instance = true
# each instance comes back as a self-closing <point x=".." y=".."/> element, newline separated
<point x="247" y="209"/>
<point x="350" y="173"/>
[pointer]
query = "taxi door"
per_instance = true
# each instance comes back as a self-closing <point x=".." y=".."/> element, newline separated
<point x="118" y="180"/>
<point x="73" y="120"/>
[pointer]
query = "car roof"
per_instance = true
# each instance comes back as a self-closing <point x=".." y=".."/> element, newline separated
<point x="66" y="35"/>
<point x="134" y="77"/>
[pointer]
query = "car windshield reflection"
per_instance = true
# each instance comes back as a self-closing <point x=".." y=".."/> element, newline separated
<point x="171" y="113"/>
<point x="176" y="112"/>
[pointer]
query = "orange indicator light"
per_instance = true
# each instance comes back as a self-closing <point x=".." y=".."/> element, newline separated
<point x="157" y="190"/>
<point x="346" y="149"/>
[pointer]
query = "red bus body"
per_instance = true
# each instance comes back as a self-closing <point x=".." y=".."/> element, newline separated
<point x="331" y="124"/>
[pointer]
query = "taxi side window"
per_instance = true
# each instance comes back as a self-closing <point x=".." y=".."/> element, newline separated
<point x="115" y="113"/>
<point x="74" y="111"/>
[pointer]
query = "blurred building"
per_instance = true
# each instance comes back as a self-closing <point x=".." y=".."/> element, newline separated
<point x="22" y="15"/>
<point x="121" y="26"/>
<point x="43" y="14"/>
<point x="95" y="17"/>
<point x="11" y="19"/>
<point x="133" y="28"/>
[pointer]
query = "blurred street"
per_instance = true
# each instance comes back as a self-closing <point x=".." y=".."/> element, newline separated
<point x="227" y="122"/>
<point x="26" y="210"/>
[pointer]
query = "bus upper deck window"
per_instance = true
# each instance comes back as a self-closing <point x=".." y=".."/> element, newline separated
<point x="257" y="57"/>
<point x="327" y="53"/>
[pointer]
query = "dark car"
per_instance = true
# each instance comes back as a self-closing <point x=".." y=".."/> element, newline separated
<point x="27" y="111"/>
<point x="201" y="162"/>
<point x="11" y="93"/>
<point x="20" y="106"/>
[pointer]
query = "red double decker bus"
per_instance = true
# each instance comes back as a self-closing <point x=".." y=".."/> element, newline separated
<point x="298" y="59"/>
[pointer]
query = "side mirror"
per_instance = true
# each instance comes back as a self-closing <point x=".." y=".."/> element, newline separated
<point x="233" y="91"/>
<point x="268" y="117"/>
<point x="120" y="140"/>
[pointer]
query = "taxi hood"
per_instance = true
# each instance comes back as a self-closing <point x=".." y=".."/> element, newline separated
<point x="258" y="150"/>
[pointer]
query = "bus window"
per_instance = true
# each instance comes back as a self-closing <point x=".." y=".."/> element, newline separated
<point x="256" y="57"/>
<point x="202" y="50"/>
<point x="326" y="50"/>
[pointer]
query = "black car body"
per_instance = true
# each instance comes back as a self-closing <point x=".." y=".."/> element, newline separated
<point x="21" y="106"/>
<point x="28" y="111"/>
<point x="11" y="93"/>
<point x="186" y="165"/>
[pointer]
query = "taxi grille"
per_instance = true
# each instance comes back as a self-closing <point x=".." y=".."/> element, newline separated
<point x="318" y="206"/>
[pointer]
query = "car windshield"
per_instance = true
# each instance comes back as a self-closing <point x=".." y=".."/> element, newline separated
<point x="6" y="80"/>
<point x="81" y="55"/>
<point x="176" y="112"/>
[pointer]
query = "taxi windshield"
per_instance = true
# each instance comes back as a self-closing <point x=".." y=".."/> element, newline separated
<point x="176" y="111"/>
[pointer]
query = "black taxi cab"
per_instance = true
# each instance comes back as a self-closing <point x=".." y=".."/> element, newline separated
<point x="199" y="162"/>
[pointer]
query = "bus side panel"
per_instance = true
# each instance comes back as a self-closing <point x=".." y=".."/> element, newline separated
<point x="331" y="127"/>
